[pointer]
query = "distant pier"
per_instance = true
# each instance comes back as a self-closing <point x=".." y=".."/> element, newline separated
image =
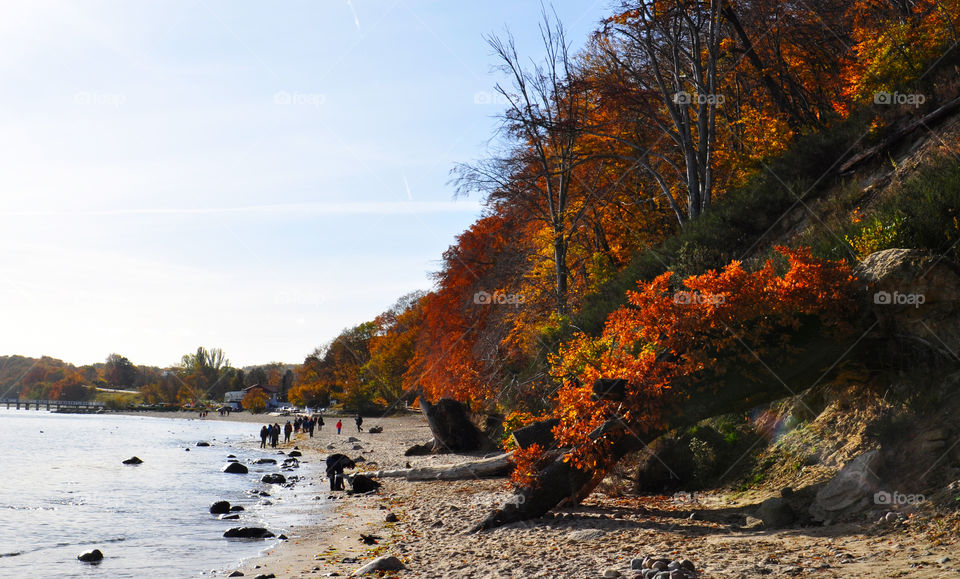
<point x="63" y="406"/>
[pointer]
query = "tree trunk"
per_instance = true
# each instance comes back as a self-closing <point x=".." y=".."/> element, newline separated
<point x="452" y="427"/>
<point x="560" y="261"/>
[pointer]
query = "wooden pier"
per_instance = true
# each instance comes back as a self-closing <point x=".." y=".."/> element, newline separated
<point x="63" y="406"/>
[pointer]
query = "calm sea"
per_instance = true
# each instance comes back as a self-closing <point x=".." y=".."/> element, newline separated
<point x="64" y="490"/>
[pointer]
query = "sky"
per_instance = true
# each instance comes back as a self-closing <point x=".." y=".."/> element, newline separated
<point x="252" y="176"/>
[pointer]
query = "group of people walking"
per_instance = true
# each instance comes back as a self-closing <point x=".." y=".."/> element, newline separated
<point x="270" y="433"/>
<point x="336" y="463"/>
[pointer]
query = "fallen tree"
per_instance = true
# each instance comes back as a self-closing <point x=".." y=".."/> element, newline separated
<point x="748" y="338"/>
<point x="561" y="483"/>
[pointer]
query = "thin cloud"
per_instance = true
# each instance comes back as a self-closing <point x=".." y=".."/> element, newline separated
<point x="326" y="208"/>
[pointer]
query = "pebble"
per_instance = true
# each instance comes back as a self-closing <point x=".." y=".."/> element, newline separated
<point x="611" y="573"/>
<point x="586" y="535"/>
<point x="662" y="568"/>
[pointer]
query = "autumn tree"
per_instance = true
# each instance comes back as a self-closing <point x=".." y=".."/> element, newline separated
<point x="255" y="400"/>
<point x="682" y="353"/>
<point x="257" y="376"/>
<point x="119" y="371"/>
<point x="542" y="127"/>
<point x="337" y="368"/>
<point x="666" y="54"/>
<point x="392" y="346"/>
<point x="71" y="386"/>
<point x="204" y="375"/>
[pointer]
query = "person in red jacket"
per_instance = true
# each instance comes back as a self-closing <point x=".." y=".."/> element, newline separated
<point x="339" y="426"/>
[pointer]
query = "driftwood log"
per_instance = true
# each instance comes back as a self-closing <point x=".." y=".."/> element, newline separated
<point x="493" y="466"/>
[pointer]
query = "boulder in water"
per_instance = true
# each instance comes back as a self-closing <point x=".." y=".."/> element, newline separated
<point x="220" y="507"/>
<point x="203" y="443"/>
<point x="235" y="468"/>
<point x="295" y="453"/>
<point x="265" y="461"/>
<point x="94" y="556"/>
<point x="274" y="479"/>
<point x="133" y="460"/>
<point x="248" y="533"/>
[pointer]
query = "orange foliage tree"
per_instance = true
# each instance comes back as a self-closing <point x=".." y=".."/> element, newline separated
<point x="255" y="400"/>
<point x="665" y="342"/>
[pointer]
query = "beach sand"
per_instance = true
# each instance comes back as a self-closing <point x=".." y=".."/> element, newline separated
<point x="604" y="533"/>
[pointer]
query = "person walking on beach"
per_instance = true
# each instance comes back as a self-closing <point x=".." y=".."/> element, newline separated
<point x="311" y="423"/>
<point x="287" y="431"/>
<point x="339" y="426"/>
<point x="275" y="436"/>
<point x="320" y="422"/>
<point x="359" y="421"/>
<point x="264" y="433"/>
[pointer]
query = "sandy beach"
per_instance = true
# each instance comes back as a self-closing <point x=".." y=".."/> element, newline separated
<point x="602" y="535"/>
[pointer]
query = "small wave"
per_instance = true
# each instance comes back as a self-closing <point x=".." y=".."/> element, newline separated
<point x="13" y="554"/>
<point x="27" y="508"/>
<point x="114" y="540"/>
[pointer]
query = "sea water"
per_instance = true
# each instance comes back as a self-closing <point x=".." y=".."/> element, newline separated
<point x="64" y="490"/>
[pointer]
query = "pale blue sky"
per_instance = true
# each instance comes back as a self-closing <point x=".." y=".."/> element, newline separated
<point x="253" y="176"/>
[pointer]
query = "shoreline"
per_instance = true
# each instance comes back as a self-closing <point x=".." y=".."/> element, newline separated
<point x="322" y="547"/>
<point x="604" y="533"/>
